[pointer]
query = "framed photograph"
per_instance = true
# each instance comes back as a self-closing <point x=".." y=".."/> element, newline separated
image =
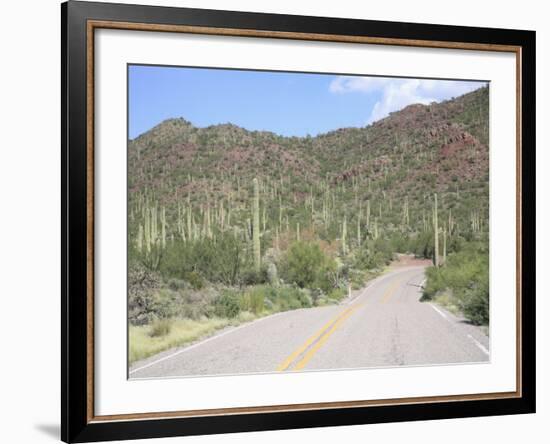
<point x="275" y="221"/>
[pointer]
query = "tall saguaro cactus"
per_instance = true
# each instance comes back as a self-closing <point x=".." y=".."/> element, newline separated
<point x="163" y="226"/>
<point x="444" y="245"/>
<point x="359" y="229"/>
<point x="436" y="234"/>
<point x="256" y="225"/>
<point x="147" y="234"/>
<point x="277" y="247"/>
<point x="344" y="235"/>
<point x="140" y="238"/>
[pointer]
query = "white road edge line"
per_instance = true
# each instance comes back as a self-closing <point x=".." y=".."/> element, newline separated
<point x="439" y="311"/>
<point x="479" y="345"/>
<point x="211" y="338"/>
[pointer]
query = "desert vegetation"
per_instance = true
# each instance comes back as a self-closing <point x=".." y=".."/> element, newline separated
<point x="226" y="225"/>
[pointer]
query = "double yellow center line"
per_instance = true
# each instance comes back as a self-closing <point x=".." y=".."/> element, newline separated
<point x="302" y="355"/>
<point x="316" y="341"/>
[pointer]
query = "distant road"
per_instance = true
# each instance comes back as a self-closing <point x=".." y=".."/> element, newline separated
<point x="385" y="325"/>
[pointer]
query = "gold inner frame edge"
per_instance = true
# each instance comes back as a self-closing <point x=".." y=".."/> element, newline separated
<point x="92" y="25"/>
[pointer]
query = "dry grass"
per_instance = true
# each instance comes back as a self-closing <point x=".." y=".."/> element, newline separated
<point x="148" y="340"/>
<point x="447" y="301"/>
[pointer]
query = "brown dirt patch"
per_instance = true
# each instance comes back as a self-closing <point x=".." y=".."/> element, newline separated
<point x="408" y="260"/>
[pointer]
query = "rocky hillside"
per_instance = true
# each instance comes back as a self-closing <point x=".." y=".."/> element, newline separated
<point x="384" y="173"/>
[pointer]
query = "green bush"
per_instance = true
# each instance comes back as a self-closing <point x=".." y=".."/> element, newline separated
<point x="250" y="276"/>
<point x="227" y="305"/>
<point x="253" y="300"/>
<point x="307" y="266"/>
<point x="466" y="277"/>
<point x="272" y="274"/>
<point x="142" y="285"/>
<point x="166" y="303"/>
<point x="337" y="294"/>
<point x="195" y="304"/>
<point x="423" y="245"/>
<point x="214" y="260"/>
<point x="291" y="298"/>
<point x="194" y="279"/>
<point x="176" y="284"/>
<point x="475" y="302"/>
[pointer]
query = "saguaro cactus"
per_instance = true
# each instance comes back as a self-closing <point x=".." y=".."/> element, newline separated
<point x="436" y="233"/>
<point x="140" y="238"/>
<point x="359" y="229"/>
<point x="154" y="227"/>
<point x="256" y="225"/>
<point x="163" y="226"/>
<point x="280" y="212"/>
<point x="424" y="224"/>
<point x="277" y="238"/>
<point x="444" y="245"/>
<point x="189" y="216"/>
<point x="344" y="235"/>
<point x="147" y="234"/>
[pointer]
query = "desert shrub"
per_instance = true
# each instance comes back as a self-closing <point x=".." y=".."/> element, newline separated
<point x="466" y="277"/>
<point x="214" y="260"/>
<point x="475" y="302"/>
<point x="272" y="274"/>
<point x="357" y="278"/>
<point x="142" y="285"/>
<point x="165" y="304"/>
<point x="250" y="276"/>
<point x="307" y="266"/>
<point x="337" y="294"/>
<point x="253" y="299"/>
<point x="150" y="260"/>
<point x="195" y="279"/>
<point x="399" y="243"/>
<point x="160" y="327"/>
<point x="197" y="304"/>
<point x="227" y="305"/>
<point x="423" y="245"/>
<point x="384" y="251"/>
<point x="177" y="284"/>
<point x="290" y="298"/>
<point x="366" y="258"/>
<point x="372" y="255"/>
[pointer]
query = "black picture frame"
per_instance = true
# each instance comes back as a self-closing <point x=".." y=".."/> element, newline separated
<point x="77" y="328"/>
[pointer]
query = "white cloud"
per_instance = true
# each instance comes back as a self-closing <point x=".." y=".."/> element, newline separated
<point x="395" y="94"/>
<point x="343" y="84"/>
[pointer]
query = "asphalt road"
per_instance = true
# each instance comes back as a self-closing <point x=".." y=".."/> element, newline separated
<point x="385" y="324"/>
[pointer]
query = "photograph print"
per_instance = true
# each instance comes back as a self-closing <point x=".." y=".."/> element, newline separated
<point x="294" y="222"/>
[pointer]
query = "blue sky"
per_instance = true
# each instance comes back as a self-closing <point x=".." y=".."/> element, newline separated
<point x="290" y="104"/>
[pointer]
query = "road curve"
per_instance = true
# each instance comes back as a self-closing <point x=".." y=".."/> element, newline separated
<point x="384" y="325"/>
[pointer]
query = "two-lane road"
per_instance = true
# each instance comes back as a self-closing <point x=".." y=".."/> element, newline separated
<point x="385" y="325"/>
